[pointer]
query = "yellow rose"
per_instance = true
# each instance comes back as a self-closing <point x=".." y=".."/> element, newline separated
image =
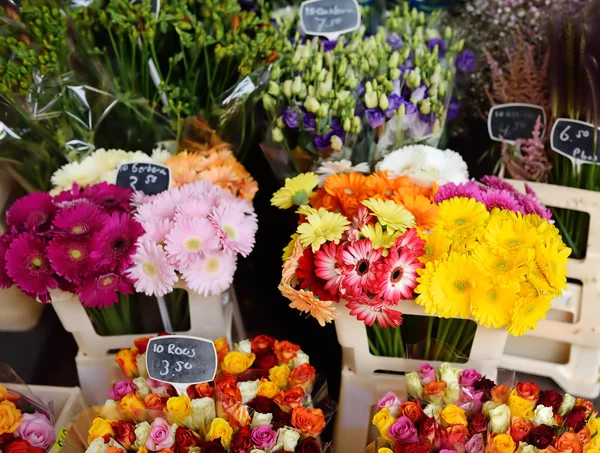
<point x="100" y="428"/>
<point x="219" y="428"/>
<point x="10" y="417"/>
<point x="593" y="425"/>
<point x="268" y="389"/>
<point x="279" y="375"/>
<point x="131" y="408"/>
<point x="178" y="407"/>
<point x="520" y="407"/>
<point x="142" y="449"/>
<point x="384" y="450"/>
<point x="237" y="362"/>
<point x="502" y="443"/>
<point x="383" y="420"/>
<point x="453" y="415"/>
<point x="127" y="360"/>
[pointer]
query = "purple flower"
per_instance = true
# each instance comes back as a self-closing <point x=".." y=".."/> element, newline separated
<point x="411" y="108"/>
<point x="468" y="377"/>
<point x="451" y="190"/>
<point x="337" y="128"/>
<point x="470" y="399"/>
<point x="440" y="43"/>
<point x="403" y="430"/>
<point x="329" y="45"/>
<point x="502" y="199"/>
<point x="453" y="109"/>
<point x="309" y="120"/>
<point x="419" y="94"/>
<point x="121" y="389"/>
<point x="465" y="62"/>
<point x="375" y="117"/>
<point x="426" y="373"/>
<point x="323" y="142"/>
<point x="291" y="117"/>
<point x="475" y="444"/>
<point x="264" y="437"/>
<point x="395" y="41"/>
<point x="37" y="430"/>
<point x="428" y="119"/>
<point x="395" y="102"/>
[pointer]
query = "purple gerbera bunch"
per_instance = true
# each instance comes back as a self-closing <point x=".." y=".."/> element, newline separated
<point x="81" y="241"/>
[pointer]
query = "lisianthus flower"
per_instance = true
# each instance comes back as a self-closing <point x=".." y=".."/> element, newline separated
<point x="328" y="266"/>
<point x="191" y="239"/>
<point x="103" y="290"/>
<point x="114" y="244"/>
<point x="374" y="311"/>
<point x="33" y="212"/>
<point x="297" y="191"/>
<point x="236" y="230"/>
<point x="83" y="219"/>
<point x="359" y="260"/>
<point x="322" y="226"/>
<point x="152" y="273"/>
<point x="390" y="214"/>
<point x="306" y="302"/>
<point x="70" y="257"/>
<point x="396" y="275"/>
<point x="110" y="197"/>
<point x="211" y="274"/>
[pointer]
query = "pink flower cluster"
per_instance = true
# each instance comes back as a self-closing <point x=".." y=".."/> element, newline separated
<point x="196" y="232"/>
<point x="495" y="193"/>
<point x="81" y="241"/>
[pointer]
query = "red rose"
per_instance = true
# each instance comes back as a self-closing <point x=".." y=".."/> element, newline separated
<point x="5" y="438"/>
<point x="263" y="405"/>
<point x="281" y="419"/>
<point x="214" y="446"/>
<point x="261" y="343"/>
<point x="265" y="360"/>
<point x="430" y="429"/>
<point x="454" y="436"/>
<point x="242" y="440"/>
<point x="185" y="439"/>
<point x="416" y="448"/>
<point x="22" y="446"/>
<point x="124" y="433"/>
<point x="308" y="445"/>
<point x="286" y="351"/>
<point x="550" y="398"/>
<point x="200" y="391"/>
<point x="141" y="344"/>
<point x="289" y="399"/>
<point x="540" y="436"/>
<point x="575" y="419"/>
<point x="528" y="390"/>
<point x="479" y="424"/>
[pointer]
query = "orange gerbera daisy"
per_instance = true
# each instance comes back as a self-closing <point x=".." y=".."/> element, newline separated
<point x="426" y="213"/>
<point x="322" y="199"/>
<point x="306" y="302"/>
<point x="349" y="189"/>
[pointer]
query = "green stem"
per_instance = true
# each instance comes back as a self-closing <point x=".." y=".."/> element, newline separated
<point x="373" y="348"/>
<point x="382" y="343"/>
<point x="428" y="338"/>
<point x="468" y="340"/>
<point x="456" y="336"/>
<point x="445" y="325"/>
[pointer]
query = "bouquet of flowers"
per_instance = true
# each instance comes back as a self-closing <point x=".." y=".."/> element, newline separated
<point x="265" y="398"/>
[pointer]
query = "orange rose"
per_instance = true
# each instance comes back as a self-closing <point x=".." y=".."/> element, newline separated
<point x="302" y="376"/>
<point x="114" y="450"/>
<point x="6" y="395"/>
<point x="222" y="348"/>
<point x="568" y="443"/>
<point x="10" y="417"/>
<point x="584" y="435"/>
<point x="435" y="388"/>
<point x="528" y="390"/>
<point x="558" y="420"/>
<point x="500" y="394"/>
<point x="127" y="360"/>
<point x="290" y="399"/>
<point x="154" y="402"/>
<point x="166" y="450"/>
<point x="204" y="390"/>
<point x="261" y="343"/>
<point x="308" y="421"/>
<point x="519" y="428"/>
<point x="286" y="351"/>
<point x="454" y="435"/>
<point x="130" y="407"/>
<point x="227" y="385"/>
<point x="589" y="407"/>
<point x="412" y="410"/>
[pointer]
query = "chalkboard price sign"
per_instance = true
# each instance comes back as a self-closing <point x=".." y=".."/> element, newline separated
<point x="149" y="178"/>
<point x="575" y="139"/>
<point x="181" y="360"/>
<point x="329" y="18"/>
<point x="514" y="121"/>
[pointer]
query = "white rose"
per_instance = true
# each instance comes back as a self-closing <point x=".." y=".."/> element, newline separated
<point x="567" y="405"/>
<point x="248" y="389"/>
<point x="97" y="446"/>
<point x="254" y="450"/>
<point x="489" y="406"/>
<point x="449" y="374"/>
<point x="433" y="411"/>
<point x="141" y="433"/>
<point x="413" y="385"/>
<point x="261" y="420"/>
<point x="524" y="447"/>
<point x="300" y="359"/>
<point x="194" y="450"/>
<point x="109" y="410"/>
<point x="203" y="411"/>
<point x="140" y="383"/>
<point x="452" y="394"/>
<point x="141" y="365"/>
<point x="499" y="419"/>
<point x="243" y="346"/>
<point x="543" y="416"/>
<point x="287" y="438"/>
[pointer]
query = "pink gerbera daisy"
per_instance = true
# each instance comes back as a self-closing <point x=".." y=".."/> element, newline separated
<point x="236" y="229"/>
<point x="328" y="266"/>
<point x="5" y="280"/>
<point x="103" y="290"/>
<point x="411" y="241"/>
<point x="450" y="190"/>
<point x="211" y="274"/>
<point x="359" y="260"/>
<point x="29" y="267"/>
<point x="82" y="219"/>
<point x="196" y="189"/>
<point x="397" y="275"/>
<point x="69" y="257"/>
<point x="110" y="197"/>
<point x="195" y="208"/>
<point x="33" y="212"/>
<point x="501" y="199"/>
<point x="498" y="183"/>
<point x="151" y="273"/>
<point x="138" y="198"/>
<point x="375" y="311"/>
<point x="190" y="239"/>
<point x="157" y="230"/>
<point x="156" y="210"/>
<point x="114" y="244"/>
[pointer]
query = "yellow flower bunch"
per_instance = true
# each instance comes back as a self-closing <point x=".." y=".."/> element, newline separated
<point x="500" y="267"/>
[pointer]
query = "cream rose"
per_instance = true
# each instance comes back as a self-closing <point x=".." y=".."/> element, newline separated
<point x="141" y="365"/>
<point x="109" y="410"/>
<point x="254" y="450"/>
<point x="261" y="420"/>
<point x="203" y="411"/>
<point x="288" y="438"/>
<point x="413" y="385"/>
<point x="433" y="411"/>
<point x="452" y="394"/>
<point x="524" y="447"/>
<point x="488" y="407"/>
<point x="449" y="374"/>
<point x="194" y="450"/>
<point x="499" y="419"/>
<point x="248" y="389"/>
<point x="140" y="383"/>
<point x="300" y="359"/>
<point x="567" y="405"/>
<point x="97" y="446"/>
<point x="243" y="346"/>
<point x="141" y="434"/>
<point x="543" y="416"/>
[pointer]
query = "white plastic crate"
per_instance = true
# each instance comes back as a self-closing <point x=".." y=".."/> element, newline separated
<point x="487" y="348"/>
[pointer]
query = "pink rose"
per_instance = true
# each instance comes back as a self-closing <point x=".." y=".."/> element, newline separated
<point x="403" y="430"/>
<point x="470" y="400"/>
<point x="264" y="437"/>
<point x="159" y="388"/>
<point x="427" y="374"/>
<point x="120" y="389"/>
<point x="37" y="430"/>
<point x="468" y="377"/>
<point x="391" y="401"/>
<point x="160" y="436"/>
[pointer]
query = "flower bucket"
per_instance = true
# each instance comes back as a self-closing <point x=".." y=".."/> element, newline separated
<point x="19" y="311"/>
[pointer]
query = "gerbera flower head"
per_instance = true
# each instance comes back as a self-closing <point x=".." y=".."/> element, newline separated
<point x="288" y="249"/>
<point x="341" y="166"/>
<point x="152" y="273"/>
<point x="29" y="267"/>
<point x="425" y="297"/>
<point x="396" y="276"/>
<point x="236" y="230"/>
<point x="374" y="311"/>
<point x="450" y="190"/>
<point x="191" y="239"/>
<point x="411" y="241"/>
<point x="529" y="205"/>
<point x="114" y="244"/>
<point x="551" y="259"/>
<point x="348" y="189"/>
<point x="70" y="257"/>
<point x="33" y="212"/>
<point x="530" y="307"/>
<point x="195" y="208"/>
<point x="436" y="247"/>
<point x="322" y="226"/>
<point x="328" y="266"/>
<point x="157" y="230"/>
<point x="380" y="238"/>
<point x="308" y="278"/>
<point x="297" y="191"/>
<point x="358" y="261"/>
<point x="211" y="274"/>
<point x="110" y="197"/>
<point x="425" y="212"/>
<point x="461" y="217"/>
<point x="508" y="235"/>
<point x="82" y="219"/>
<point x="305" y="301"/>
<point x="492" y="305"/>
<point x="390" y="214"/>
<point x="499" y="199"/>
<point x="505" y="271"/>
<point x="99" y="291"/>
<point x="5" y="280"/>
<point x="498" y="183"/>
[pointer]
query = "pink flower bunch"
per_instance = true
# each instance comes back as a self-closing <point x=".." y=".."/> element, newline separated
<point x="196" y="232"/>
<point x="81" y="241"/>
<point x="495" y="193"/>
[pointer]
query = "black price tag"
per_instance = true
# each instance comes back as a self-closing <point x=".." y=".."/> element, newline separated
<point x="149" y="178"/>
<point x="514" y="121"/>
<point x="181" y="360"/>
<point x="575" y="139"/>
<point x="329" y="18"/>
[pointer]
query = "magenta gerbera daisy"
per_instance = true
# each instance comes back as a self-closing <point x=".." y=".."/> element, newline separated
<point x="358" y="272"/>
<point x="211" y="274"/>
<point x="67" y="196"/>
<point x="29" y="267"/>
<point x="152" y="273"/>
<point x="328" y="266"/>
<point x="69" y="257"/>
<point x="82" y="219"/>
<point x="412" y="241"/>
<point x="33" y="212"/>
<point x="236" y="230"/>
<point x="5" y="280"/>
<point x="498" y="183"/>
<point x="374" y="311"/>
<point x="501" y="199"/>
<point x="190" y="239"/>
<point x="451" y="190"/>
<point x="114" y="244"/>
<point x="103" y="290"/>
<point x="110" y="197"/>
<point x="528" y="204"/>
<point x="397" y="276"/>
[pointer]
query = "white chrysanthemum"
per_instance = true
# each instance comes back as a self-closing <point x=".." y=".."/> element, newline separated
<point x="160" y="155"/>
<point x="329" y="168"/>
<point x="108" y="159"/>
<point x="83" y="173"/>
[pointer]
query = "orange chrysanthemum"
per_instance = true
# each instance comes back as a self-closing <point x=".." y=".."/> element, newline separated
<point x="425" y="212"/>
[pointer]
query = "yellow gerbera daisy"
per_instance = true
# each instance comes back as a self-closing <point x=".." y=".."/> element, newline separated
<point x="288" y="249"/>
<point x="390" y="214"/>
<point x="322" y="226"/>
<point x="552" y="260"/>
<point x="297" y="191"/>
<point x="436" y="245"/>
<point x="379" y="238"/>
<point x="506" y="271"/>
<point x="461" y="217"/>
<point x="508" y="237"/>
<point x="528" y="310"/>
<point x="423" y="290"/>
<point x="305" y="210"/>
<point x="491" y="305"/>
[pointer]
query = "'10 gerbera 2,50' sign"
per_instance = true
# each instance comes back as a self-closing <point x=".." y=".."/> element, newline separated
<point x="149" y="178"/>
<point x="329" y="18"/>
<point x="576" y="140"/>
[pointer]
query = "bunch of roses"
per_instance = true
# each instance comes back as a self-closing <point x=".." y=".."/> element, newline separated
<point x="196" y="232"/>
<point x="23" y="429"/>
<point x="260" y="400"/>
<point x="81" y="241"/>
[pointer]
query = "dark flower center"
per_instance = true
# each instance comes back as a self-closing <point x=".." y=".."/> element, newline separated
<point x="119" y="244"/>
<point x="397" y="274"/>
<point x="362" y="267"/>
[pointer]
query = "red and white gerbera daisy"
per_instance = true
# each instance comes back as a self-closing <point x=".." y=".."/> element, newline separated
<point x="328" y="266"/>
<point x="309" y="279"/>
<point x="358" y="261"/>
<point x="374" y="310"/>
<point x="397" y="275"/>
<point x="411" y="241"/>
